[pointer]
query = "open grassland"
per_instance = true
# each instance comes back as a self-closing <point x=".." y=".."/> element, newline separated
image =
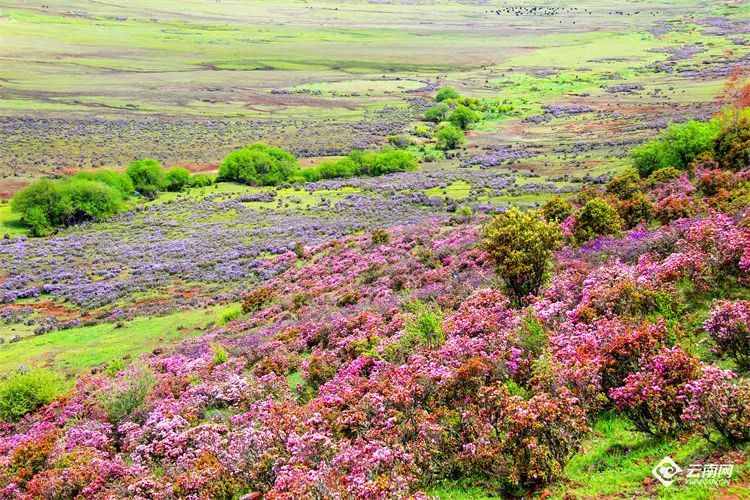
<point x="185" y="82"/>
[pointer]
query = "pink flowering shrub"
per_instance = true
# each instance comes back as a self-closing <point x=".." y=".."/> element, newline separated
<point x="729" y="327"/>
<point x="656" y="397"/>
<point x="718" y="401"/>
<point x="525" y="442"/>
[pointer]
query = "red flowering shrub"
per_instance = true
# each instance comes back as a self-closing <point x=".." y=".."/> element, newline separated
<point x="711" y="182"/>
<point x="526" y="442"/>
<point x="656" y="397"/>
<point x="257" y="299"/>
<point x="635" y="210"/>
<point x="622" y="353"/>
<point x="674" y="207"/>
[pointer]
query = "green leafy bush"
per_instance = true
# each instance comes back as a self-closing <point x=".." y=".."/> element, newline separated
<point x="22" y="393"/>
<point x="372" y="163"/>
<point x="557" y="209"/>
<point x="147" y="176"/>
<point x="116" y="180"/>
<point x="220" y="355"/>
<point x="201" y="180"/>
<point x="437" y="113"/>
<point x="176" y="179"/>
<point x="384" y="162"/>
<point x="258" y="165"/>
<point x="48" y="203"/>
<point x="520" y="246"/>
<point x="596" y="218"/>
<point x="464" y="116"/>
<point x="231" y="314"/>
<point x="342" y="168"/>
<point x="676" y="147"/>
<point x="128" y="395"/>
<point x="450" y="136"/>
<point x="447" y="93"/>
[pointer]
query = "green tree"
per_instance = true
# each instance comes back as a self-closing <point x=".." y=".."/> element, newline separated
<point x="258" y="165"/>
<point x="116" y="180"/>
<point x="520" y="246"/>
<point x="676" y="147"/>
<point x="89" y="200"/>
<point x="147" y="176"/>
<point x="39" y="205"/>
<point x="48" y="203"/>
<point x="176" y="179"/>
<point x="447" y="93"/>
<point x="437" y="113"/>
<point x="596" y="218"/>
<point x="462" y="117"/>
<point x="450" y="137"/>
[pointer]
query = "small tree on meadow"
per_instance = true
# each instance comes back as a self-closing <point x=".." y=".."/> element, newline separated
<point x="450" y="137"/>
<point x="462" y="117"/>
<point x="437" y="113"/>
<point x="447" y="93"/>
<point x="176" y="179"/>
<point x="147" y="176"/>
<point x="520" y="246"/>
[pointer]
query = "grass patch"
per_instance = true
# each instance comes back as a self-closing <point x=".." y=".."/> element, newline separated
<point x="79" y="349"/>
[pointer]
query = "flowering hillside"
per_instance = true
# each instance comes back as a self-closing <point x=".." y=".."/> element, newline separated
<point x="389" y="363"/>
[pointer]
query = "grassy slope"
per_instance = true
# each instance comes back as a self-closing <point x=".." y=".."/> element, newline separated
<point x="79" y="349"/>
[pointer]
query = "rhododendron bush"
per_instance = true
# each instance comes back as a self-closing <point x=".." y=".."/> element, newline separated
<point x="382" y="364"/>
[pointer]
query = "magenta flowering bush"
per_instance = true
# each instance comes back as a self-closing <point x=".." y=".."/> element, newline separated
<point x="729" y="327"/>
<point x="721" y="402"/>
<point x="657" y="397"/>
<point x="526" y="442"/>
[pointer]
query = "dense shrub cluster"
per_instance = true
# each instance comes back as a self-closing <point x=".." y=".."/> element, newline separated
<point x="258" y="165"/>
<point x="50" y="203"/>
<point x="96" y="194"/>
<point x="21" y="393"/>
<point x="677" y="147"/>
<point x="726" y="137"/>
<point x="369" y="163"/>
